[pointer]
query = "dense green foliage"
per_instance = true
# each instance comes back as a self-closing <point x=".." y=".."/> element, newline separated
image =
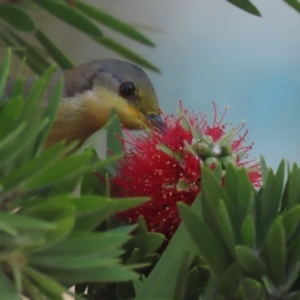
<point x="57" y="224"/>
<point x="57" y="219"/>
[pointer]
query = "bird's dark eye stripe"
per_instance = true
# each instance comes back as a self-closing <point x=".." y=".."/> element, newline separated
<point x="127" y="89"/>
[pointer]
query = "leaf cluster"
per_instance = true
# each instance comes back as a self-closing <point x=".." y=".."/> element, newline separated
<point x="58" y="224"/>
<point x="249" y="7"/>
<point x="48" y="240"/>
<point x="17" y="24"/>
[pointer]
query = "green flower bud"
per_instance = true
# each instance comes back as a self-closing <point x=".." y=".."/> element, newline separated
<point x="211" y="162"/>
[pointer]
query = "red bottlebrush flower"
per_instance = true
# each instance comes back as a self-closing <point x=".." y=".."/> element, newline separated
<point x="166" y="166"/>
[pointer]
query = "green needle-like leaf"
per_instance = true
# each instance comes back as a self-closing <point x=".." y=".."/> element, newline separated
<point x="126" y="52"/>
<point x="206" y="242"/>
<point x="4" y="71"/>
<point x="16" y="17"/>
<point x="291" y="220"/>
<point x="264" y="169"/>
<point x="294" y="4"/>
<point x="248" y="232"/>
<point x="113" y="23"/>
<point x="30" y="51"/>
<point x="50" y="112"/>
<point x="58" y="56"/>
<point x="30" y="60"/>
<point x="271" y="198"/>
<point x="250" y="262"/>
<point x="97" y="274"/>
<point x="276" y="245"/>
<point x="33" y="167"/>
<point x="113" y="136"/>
<point x="246" y="5"/>
<point x="44" y="281"/>
<point x="160" y="283"/>
<point x="7" y="289"/>
<point x="70" y="16"/>
<point x="24" y="222"/>
<point x="251" y="289"/>
<point x="121" y="204"/>
<point x="291" y="193"/>
<point x="147" y="242"/>
<point x="58" y="171"/>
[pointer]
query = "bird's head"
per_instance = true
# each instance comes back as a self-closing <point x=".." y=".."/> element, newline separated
<point x="119" y="85"/>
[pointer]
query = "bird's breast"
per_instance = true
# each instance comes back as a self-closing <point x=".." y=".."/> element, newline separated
<point x="80" y="116"/>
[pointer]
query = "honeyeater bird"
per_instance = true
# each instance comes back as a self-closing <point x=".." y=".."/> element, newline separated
<point x="91" y="91"/>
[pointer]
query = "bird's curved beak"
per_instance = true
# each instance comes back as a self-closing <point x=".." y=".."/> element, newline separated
<point x="156" y="121"/>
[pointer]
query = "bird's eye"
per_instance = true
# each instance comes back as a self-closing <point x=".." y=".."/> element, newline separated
<point x="127" y="89"/>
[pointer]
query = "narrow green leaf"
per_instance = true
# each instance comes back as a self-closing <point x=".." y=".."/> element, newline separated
<point x="205" y="241"/>
<point x="101" y="274"/>
<point x="141" y="225"/>
<point x="8" y="229"/>
<point x="62" y="216"/>
<point x="245" y="195"/>
<point x="248" y="232"/>
<point x="113" y="135"/>
<point x="293" y="253"/>
<point x="230" y="187"/>
<point x="50" y="113"/>
<point x="30" y="61"/>
<point x="16" y="273"/>
<point x="71" y="16"/>
<point x="291" y="220"/>
<point x="18" y="146"/>
<point x="58" y="171"/>
<point x="246" y="5"/>
<point x="90" y="212"/>
<point x="170" y="291"/>
<point x="23" y="222"/>
<point x="44" y="281"/>
<point x="147" y="243"/>
<point x="217" y="192"/>
<point x="4" y="71"/>
<point x="113" y="23"/>
<point x="271" y="199"/>
<point x="62" y="262"/>
<point x="16" y="17"/>
<point x="229" y="279"/>
<point x="291" y="195"/>
<point x="32" y="291"/>
<point x="251" y="289"/>
<point x="30" y="51"/>
<point x="276" y="245"/>
<point x="18" y="86"/>
<point x="160" y="282"/>
<point x="294" y="4"/>
<point x="7" y="289"/>
<point x="92" y="185"/>
<point x="38" y="88"/>
<point x="85" y="205"/>
<point x="264" y="169"/>
<point x="215" y="217"/>
<point x="250" y="262"/>
<point x="83" y="244"/>
<point x="126" y="52"/>
<point x="12" y="135"/>
<point x="292" y="275"/>
<point x="122" y="204"/>
<point x="33" y="167"/>
<point x="58" y="56"/>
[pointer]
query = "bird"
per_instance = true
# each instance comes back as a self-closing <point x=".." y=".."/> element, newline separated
<point x="91" y="91"/>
